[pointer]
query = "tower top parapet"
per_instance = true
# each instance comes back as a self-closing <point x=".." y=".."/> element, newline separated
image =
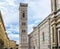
<point x="23" y="4"/>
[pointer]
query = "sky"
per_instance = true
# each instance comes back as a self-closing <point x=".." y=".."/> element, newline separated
<point x="37" y="11"/>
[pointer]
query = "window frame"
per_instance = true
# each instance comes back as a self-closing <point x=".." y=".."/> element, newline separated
<point x="23" y="14"/>
<point x="23" y="30"/>
<point x="24" y="23"/>
<point x="58" y="37"/>
<point x="43" y="36"/>
<point x="52" y="34"/>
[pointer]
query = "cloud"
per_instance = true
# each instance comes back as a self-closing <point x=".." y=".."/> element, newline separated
<point x="30" y="28"/>
<point x="11" y="2"/>
<point x="24" y="1"/>
<point x="13" y="28"/>
<point x="11" y="18"/>
<point x="38" y="21"/>
<point x="37" y="11"/>
<point x="3" y="8"/>
<point x="14" y="37"/>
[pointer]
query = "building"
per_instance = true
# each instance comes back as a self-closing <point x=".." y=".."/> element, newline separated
<point x="23" y="26"/>
<point x="12" y="44"/>
<point x="47" y="34"/>
<point x="5" y="43"/>
<point x="1" y="32"/>
<point x="55" y="24"/>
<point x="17" y="46"/>
<point x="39" y="37"/>
<point x="3" y="35"/>
<point x="34" y="39"/>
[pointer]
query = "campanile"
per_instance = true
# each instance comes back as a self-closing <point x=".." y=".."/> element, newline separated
<point x="23" y="42"/>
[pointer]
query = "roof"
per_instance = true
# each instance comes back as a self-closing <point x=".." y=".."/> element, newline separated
<point x="23" y="4"/>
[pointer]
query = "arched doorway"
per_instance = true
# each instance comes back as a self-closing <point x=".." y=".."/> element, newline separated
<point x="6" y="48"/>
<point x="1" y="44"/>
<point x="16" y="48"/>
<point x="11" y="48"/>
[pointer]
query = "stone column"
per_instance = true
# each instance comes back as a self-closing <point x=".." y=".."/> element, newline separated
<point x="55" y="35"/>
<point x="53" y="5"/>
<point x="54" y="43"/>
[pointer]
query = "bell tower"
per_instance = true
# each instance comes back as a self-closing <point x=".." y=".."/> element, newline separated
<point x="23" y="26"/>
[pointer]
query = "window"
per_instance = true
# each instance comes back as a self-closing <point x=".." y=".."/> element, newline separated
<point x="59" y="36"/>
<point x="43" y="37"/>
<point x="23" y="30"/>
<point x="53" y="48"/>
<point x="23" y="14"/>
<point x="11" y="48"/>
<point x="53" y="33"/>
<point x="23" y="23"/>
<point x="34" y="47"/>
<point x="5" y="48"/>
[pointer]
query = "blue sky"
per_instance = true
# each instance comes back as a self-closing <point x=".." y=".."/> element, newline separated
<point x="37" y="11"/>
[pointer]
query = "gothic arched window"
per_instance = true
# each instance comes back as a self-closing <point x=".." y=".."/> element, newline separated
<point x="23" y="14"/>
<point x="43" y="37"/>
<point x="53" y="33"/>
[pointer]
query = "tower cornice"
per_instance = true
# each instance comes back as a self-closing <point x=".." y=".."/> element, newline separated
<point x="24" y="4"/>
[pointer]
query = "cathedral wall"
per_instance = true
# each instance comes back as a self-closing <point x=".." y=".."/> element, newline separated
<point x="44" y="35"/>
<point x="36" y="38"/>
<point x="33" y="39"/>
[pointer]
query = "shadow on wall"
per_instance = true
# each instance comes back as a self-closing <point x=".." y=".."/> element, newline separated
<point x="1" y="44"/>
